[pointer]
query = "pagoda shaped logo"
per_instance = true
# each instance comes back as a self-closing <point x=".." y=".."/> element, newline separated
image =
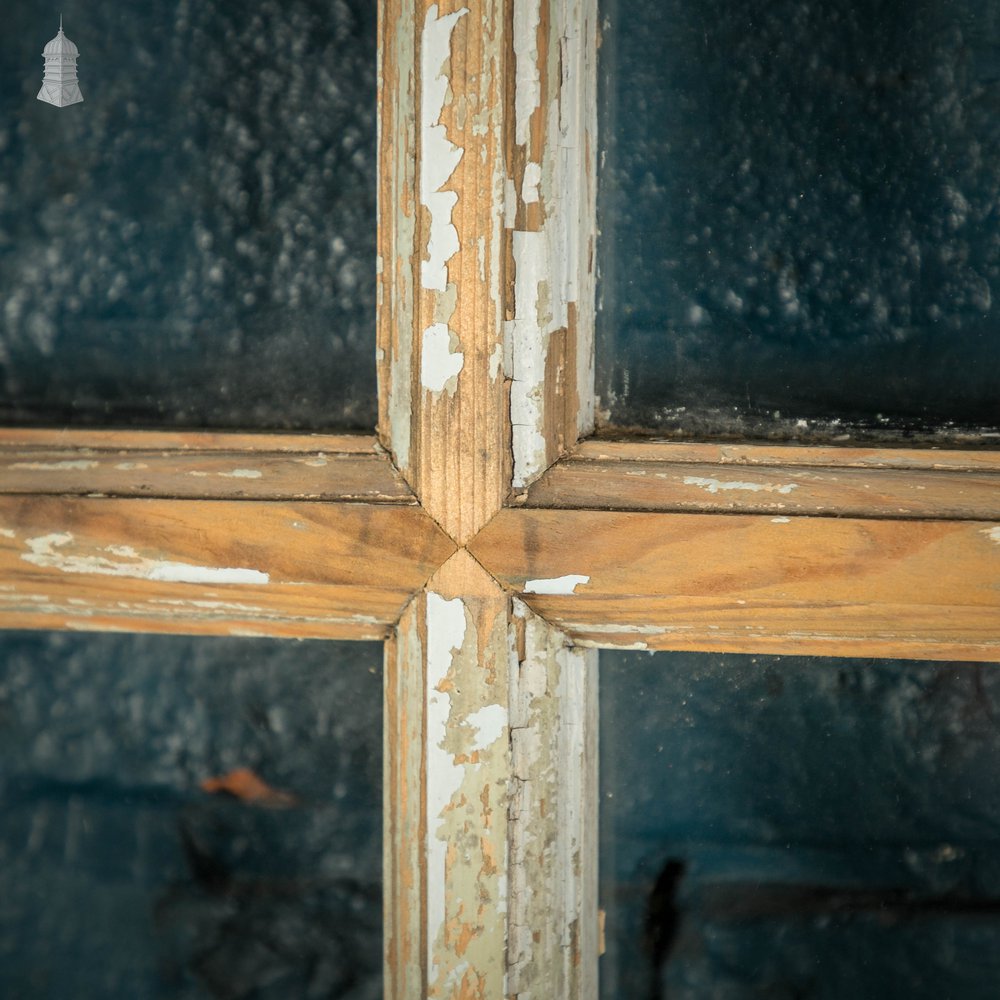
<point x="59" y="86"/>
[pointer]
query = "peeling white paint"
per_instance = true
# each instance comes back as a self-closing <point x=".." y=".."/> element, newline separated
<point x="720" y="485"/>
<point x="48" y="551"/>
<point x="131" y="466"/>
<point x="496" y="361"/>
<point x="529" y="186"/>
<point x="481" y="252"/>
<point x="85" y="626"/>
<point x="508" y="348"/>
<point x="242" y="474"/>
<point x="529" y="346"/>
<point x="509" y="204"/>
<point x="440" y="157"/>
<point x="7" y="533"/>
<point x="781" y="520"/>
<point x="552" y="936"/>
<point x="527" y="81"/>
<point x="10" y="595"/>
<point x="490" y="723"/>
<point x="446" y="625"/>
<point x="439" y="364"/>
<point x="993" y="534"/>
<point x="76" y="463"/>
<point x="235" y="474"/>
<point x="452" y="982"/>
<point x="556" y="585"/>
<point x="209" y="605"/>
<point x="316" y="462"/>
<point x="554" y="268"/>
<point x="175" y="572"/>
<point x="606" y="629"/>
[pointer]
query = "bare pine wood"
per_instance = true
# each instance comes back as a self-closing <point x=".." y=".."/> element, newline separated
<point x="220" y="567"/>
<point x="781" y="455"/>
<point x="184" y="440"/>
<point x="637" y="484"/>
<point x="922" y="589"/>
<point x="209" y="474"/>
<point x="404" y="881"/>
<point x="447" y="793"/>
<point x="443" y="409"/>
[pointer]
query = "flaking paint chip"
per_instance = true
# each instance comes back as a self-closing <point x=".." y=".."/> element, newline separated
<point x="556" y="585"/>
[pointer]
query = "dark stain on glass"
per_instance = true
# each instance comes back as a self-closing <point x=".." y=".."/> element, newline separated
<point x="194" y="244"/>
<point x="189" y="818"/>
<point x="799" y="205"/>
<point x="799" y="827"/>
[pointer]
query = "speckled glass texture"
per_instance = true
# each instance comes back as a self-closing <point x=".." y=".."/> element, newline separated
<point x="799" y="213"/>
<point x="796" y="827"/>
<point x="194" y="244"/>
<point x="123" y="877"/>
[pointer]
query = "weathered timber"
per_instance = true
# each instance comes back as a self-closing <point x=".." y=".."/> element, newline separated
<point x="447" y="789"/>
<point x="224" y="567"/>
<point x="207" y="474"/>
<point x="638" y="484"/>
<point x="550" y="229"/>
<point x="443" y="398"/>
<point x="825" y="586"/>
<point x="553" y="813"/>
<point x="779" y="455"/>
<point x="183" y="440"/>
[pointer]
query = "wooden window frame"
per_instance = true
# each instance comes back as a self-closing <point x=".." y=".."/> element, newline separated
<point x="484" y="535"/>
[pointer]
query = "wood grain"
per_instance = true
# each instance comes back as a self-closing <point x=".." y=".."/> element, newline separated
<point x="404" y="813"/>
<point x="825" y="586"/>
<point x="210" y="473"/>
<point x="182" y="440"/>
<point x="781" y="455"/>
<point x="222" y="567"/>
<point x="443" y="398"/>
<point x="638" y="484"/>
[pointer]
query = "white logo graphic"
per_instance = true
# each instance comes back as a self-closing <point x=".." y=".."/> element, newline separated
<point x="59" y="87"/>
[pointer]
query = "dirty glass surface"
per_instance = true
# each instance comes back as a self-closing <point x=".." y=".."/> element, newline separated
<point x="189" y="818"/>
<point x="799" y="208"/>
<point x="194" y="244"/>
<point x="793" y="827"/>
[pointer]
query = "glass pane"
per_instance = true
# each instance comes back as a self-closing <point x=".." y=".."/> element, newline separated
<point x="799" y="827"/>
<point x="189" y="818"/>
<point x="194" y="244"/>
<point x="798" y="205"/>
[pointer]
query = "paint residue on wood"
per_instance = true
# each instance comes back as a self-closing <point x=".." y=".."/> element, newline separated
<point x="60" y="551"/>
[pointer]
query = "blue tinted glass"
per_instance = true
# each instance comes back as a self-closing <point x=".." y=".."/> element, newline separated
<point x="799" y="827"/>
<point x="799" y="207"/>
<point x="194" y="244"/>
<point x="189" y="818"/>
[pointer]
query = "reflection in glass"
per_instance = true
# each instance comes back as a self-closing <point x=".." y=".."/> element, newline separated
<point x="799" y="206"/>
<point x="189" y="818"/>
<point x="799" y="827"/>
<point x="194" y="244"/>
